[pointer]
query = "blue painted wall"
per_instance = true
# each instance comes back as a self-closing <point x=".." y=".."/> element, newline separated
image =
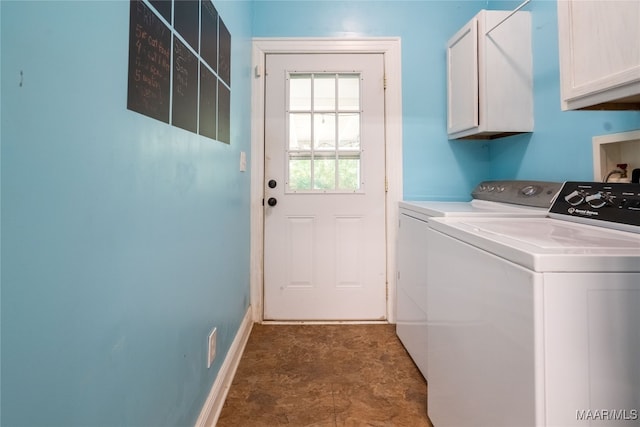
<point x="124" y="240"/>
<point x="434" y="167"/>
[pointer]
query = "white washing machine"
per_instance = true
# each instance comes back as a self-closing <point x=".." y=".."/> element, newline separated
<point x="489" y="199"/>
<point x="536" y="321"/>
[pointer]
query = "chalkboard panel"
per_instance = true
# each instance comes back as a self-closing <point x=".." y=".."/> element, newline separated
<point x="224" y="58"/>
<point x="185" y="87"/>
<point x="163" y="7"/>
<point x="149" y="63"/>
<point x="200" y="95"/>
<point x="209" y="35"/>
<point x="208" y="95"/>
<point x="224" y="113"/>
<point x="187" y="15"/>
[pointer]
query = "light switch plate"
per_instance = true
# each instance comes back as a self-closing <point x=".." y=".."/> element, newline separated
<point x="243" y="161"/>
<point x="211" y="348"/>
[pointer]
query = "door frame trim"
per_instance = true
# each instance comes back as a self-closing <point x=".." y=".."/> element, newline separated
<point x="390" y="48"/>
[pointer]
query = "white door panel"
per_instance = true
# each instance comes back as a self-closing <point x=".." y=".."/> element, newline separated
<point x="324" y="240"/>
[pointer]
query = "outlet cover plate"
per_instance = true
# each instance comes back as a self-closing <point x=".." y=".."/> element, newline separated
<point x="211" y="352"/>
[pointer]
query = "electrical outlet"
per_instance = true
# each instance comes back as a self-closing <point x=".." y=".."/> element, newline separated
<point x="211" y="353"/>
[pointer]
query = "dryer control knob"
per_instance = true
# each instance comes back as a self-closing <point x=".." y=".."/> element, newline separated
<point x="530" y="190"/>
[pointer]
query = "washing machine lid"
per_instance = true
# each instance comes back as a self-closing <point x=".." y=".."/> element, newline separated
<point x="548" y="245"/>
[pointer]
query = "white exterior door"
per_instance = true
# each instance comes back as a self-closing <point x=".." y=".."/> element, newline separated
<point x="324" y="193"/>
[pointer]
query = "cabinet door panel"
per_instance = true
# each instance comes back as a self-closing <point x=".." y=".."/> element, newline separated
<point x="489" y="77"/>
<point x="601" y="55"/>
<point x="462" y="68"/>
<point x="599" y="50"/>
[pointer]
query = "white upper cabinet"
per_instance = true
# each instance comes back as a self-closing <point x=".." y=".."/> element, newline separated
<point x="599" y="54"/>
<point x="489" y="77"/>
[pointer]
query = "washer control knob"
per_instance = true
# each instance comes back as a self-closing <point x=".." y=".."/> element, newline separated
<point x="575" y="197"/>
<point x="599" y="200"/>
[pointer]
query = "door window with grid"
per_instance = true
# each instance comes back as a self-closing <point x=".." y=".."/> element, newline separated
<point x="323" y="118"/>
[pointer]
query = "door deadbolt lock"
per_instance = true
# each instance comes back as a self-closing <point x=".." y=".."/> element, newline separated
<point x="272" y="183"/>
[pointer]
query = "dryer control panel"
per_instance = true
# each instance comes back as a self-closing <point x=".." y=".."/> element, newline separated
<point x="527" y="193"/>
<point x="613" y="205"/>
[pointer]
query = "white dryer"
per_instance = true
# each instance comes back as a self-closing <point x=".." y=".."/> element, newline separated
<point x="489" y="199"/>
<point x="536" y="321"/>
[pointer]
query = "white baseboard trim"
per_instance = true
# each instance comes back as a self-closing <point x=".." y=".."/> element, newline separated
<point x="213" y="405"/>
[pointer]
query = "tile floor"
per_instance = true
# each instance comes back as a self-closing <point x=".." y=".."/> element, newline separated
<point x="325" y="375"/>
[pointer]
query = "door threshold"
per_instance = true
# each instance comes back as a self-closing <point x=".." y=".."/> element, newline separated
<point x="325" y="322"/>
